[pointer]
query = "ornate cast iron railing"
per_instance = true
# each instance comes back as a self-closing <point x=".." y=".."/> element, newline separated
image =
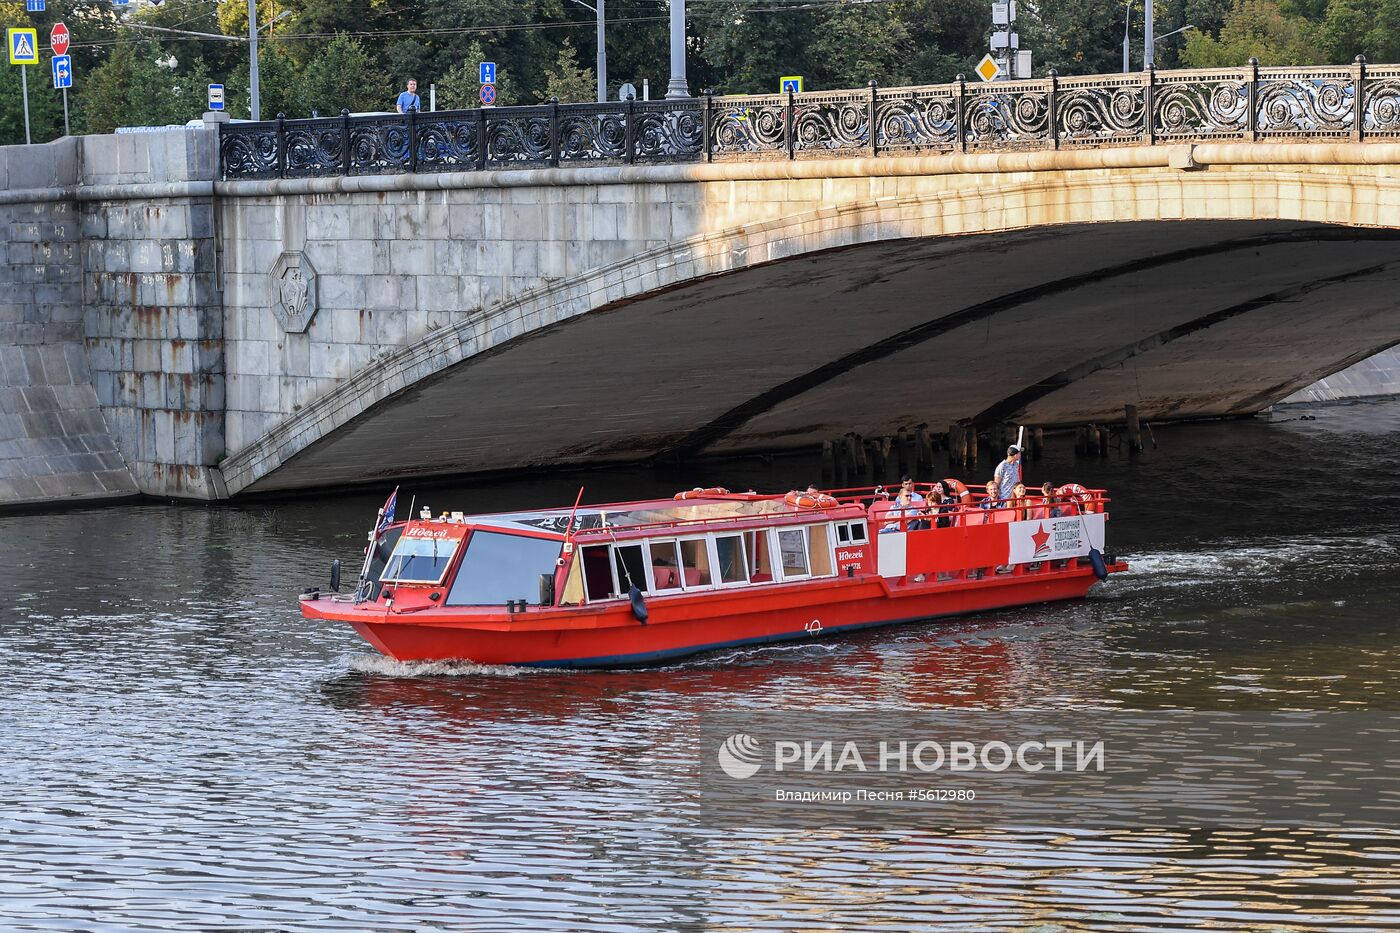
<point x="1354" y="102"/>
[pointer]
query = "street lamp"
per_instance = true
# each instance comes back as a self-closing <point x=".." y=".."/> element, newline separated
<point x="1168" y="35"/>
<point x="602" y="50"/>
<point x="252" y="41"/>
<point x="1149" y="43"/>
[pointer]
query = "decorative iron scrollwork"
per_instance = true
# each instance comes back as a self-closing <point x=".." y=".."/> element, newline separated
<point x="1104" y="110"/>
<point x="917" y="118"/>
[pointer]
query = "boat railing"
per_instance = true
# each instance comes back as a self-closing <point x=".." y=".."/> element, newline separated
<point x="683" y="525"/>
<point x="1033" y="506"/>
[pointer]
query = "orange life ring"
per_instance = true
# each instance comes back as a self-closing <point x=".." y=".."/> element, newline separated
<point x="698" y="493"/>
<point x="1077" y="493"/>
<point x="958" y="490"/>
<point x="808" y="500"/>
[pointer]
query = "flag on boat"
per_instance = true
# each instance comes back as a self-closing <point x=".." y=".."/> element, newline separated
<point x="386" y="514"/>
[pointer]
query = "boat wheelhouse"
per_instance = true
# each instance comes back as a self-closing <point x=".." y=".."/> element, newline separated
<point x="640" y="582"/>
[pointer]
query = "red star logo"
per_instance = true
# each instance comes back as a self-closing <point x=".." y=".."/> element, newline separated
<point x="1041" y="540"/>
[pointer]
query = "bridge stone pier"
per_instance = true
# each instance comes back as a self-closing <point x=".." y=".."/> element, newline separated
<point x="172" y="328"/>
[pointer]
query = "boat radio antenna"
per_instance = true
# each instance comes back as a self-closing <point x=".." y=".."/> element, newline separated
<point x="569" y="529"/>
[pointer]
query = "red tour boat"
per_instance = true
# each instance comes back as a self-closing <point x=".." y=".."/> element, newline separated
<point x="641" y="582"/>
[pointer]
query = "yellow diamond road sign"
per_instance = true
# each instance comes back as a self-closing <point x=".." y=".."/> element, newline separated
<point x="23" y="45"/>
<point x="987" y="69"/>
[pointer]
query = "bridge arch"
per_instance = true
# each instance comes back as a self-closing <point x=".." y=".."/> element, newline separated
<point x="1008" y="242"/>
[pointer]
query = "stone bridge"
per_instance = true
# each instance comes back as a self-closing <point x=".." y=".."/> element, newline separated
<point x="173" y="322"/>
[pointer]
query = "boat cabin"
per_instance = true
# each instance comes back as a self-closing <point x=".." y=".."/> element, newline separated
<point x="663" y="548"/>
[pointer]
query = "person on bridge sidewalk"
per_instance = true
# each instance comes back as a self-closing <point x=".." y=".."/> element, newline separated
<point x="408" y="100"/>
<point x="1008" y="472"/>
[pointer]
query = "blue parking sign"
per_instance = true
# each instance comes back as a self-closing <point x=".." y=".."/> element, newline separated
<point x="488" y="72"/>
<point x="62" y="72"/>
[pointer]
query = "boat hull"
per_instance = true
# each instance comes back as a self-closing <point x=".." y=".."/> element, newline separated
<point x="679" y="626"/>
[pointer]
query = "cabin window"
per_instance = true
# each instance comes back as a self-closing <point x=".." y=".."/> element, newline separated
<point x="631" y="568"/>
<point x="695" y="564"/>
<point x="819" y="548"/>
<point x="792" y="545"/>
<point x="850" y="532"/>
<point x="729" y="554"/>
<point x="760" y="556"/>
<point x="498" y="567"/>
<point x="665" y="566"/>
<point x="597" y="572"/>
<point x="421" y="560"/>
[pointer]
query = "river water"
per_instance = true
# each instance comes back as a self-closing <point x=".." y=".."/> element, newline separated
<point x="180" y="750"/>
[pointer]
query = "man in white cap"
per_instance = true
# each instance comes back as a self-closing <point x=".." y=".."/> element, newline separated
<point x="1008" y="472"/>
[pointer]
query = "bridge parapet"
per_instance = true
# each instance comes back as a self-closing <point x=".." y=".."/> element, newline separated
<point x="1352" y="102"/>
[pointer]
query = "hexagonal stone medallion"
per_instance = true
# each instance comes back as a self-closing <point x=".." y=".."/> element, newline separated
<point x="293" y="282"/>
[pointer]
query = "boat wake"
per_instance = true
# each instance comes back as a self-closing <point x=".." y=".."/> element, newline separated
<point x="1256" y="557"/>
<point x="388" y="667"/>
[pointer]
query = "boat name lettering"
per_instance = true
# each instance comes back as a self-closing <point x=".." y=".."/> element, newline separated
<point x="844" y="554"/>
<point x="428" y="533"/>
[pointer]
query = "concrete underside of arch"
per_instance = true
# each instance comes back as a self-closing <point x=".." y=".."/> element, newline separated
<point x="1052" y="325"/>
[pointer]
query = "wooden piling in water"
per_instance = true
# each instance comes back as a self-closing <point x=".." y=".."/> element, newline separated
<point x="858" y="448"/>
<point x="1130" y="414"/>
<point x="1037" y="443"/>
<point x="876" y="456"/>
<point x="924" y="453"/>
<point x="901" y="446"/>
<point x="955" y="446"/>
<point x="828" y="463"/>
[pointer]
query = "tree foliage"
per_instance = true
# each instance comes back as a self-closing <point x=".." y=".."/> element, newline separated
<point x="325" y="55"/>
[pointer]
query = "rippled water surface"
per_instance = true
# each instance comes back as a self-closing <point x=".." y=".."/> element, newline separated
<point x="180" y="750"/>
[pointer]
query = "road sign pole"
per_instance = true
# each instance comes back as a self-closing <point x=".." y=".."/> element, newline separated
<point x="24" y="82"/>
<point x="65" y="113"/>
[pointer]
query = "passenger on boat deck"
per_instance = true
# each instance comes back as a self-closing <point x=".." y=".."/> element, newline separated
<point x="941" y="506"/>
<point x="1020" y="503"/>
<point x="993" y="500"/>
<point x="917" y="505"/>
<point x="1052" y="509"/>
<point x="1008" y="472"/>
<point x="907" y="504"/>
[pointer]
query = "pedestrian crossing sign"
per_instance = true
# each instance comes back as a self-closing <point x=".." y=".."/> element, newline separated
<point x="23" y="45"/>
<point x="790" y="84"/>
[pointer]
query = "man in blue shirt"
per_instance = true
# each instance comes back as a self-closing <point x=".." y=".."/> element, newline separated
<point x="408" y="100"/>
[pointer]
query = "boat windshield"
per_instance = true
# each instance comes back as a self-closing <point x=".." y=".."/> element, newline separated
<point x="499" y="567"/>
<point x="421" y="560"/>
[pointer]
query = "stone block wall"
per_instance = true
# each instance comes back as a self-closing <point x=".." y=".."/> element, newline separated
<point x="153" y="314"/>
<point x="392" y="267"/>
<point x="55" y="443"/>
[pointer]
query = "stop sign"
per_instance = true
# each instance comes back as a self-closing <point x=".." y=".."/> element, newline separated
<point x="58" y="39"/>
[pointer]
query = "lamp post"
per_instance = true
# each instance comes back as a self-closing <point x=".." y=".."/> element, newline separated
<point x="677" y="87"/>
<point x="1147" y="58"/>
<point x="256" y="103"/>
<point x="1127" y="24"/>
<point x="602" y="60"/>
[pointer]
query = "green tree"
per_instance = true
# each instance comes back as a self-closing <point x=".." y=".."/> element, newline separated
<point x="1362" y="27"/>
<point x="344" y="76"/>
<point x="1257" y="29"/>
<point x="567" y="81"/>
<point x="142" y="84"/>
